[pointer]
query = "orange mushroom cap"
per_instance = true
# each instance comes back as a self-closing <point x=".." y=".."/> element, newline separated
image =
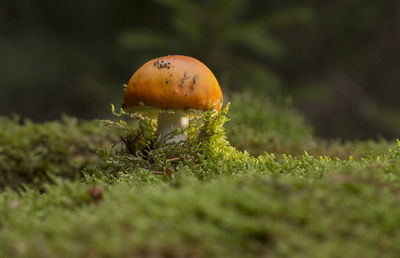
<point x="173" y="82"/>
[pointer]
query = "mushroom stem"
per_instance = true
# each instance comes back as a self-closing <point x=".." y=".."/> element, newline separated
<point x="169" y="122"/>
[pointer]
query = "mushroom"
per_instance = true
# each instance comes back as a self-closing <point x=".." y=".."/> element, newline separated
<point x="173" y="88"/>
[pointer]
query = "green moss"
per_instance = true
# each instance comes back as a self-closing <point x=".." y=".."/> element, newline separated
<point x="260" y="124"/>
<point x="30" y="152"/>
<point x="198" y="198"/>
<point x="308" y="207"/>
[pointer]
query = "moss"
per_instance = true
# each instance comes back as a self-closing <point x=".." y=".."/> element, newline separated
<point x="198" y="198"/>
<point x="333" y="210"/>
<point x="261" y="124"/>
<point x="30" y="152"/>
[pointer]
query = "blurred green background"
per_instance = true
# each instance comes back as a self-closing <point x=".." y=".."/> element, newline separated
<point x="338" y="61"/>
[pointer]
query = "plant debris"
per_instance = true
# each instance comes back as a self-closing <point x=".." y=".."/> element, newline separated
<point x="96" y="193"/>
<point x="13" y="204"/>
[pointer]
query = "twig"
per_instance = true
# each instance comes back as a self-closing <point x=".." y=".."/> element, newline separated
<point x="158" y="172"/>
<point x="174" y="159"/>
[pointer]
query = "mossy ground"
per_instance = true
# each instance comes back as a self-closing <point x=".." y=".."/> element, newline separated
<point x="203" y="198"/>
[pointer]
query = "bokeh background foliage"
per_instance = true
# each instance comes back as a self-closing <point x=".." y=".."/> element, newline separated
<point x="337" y="60"/>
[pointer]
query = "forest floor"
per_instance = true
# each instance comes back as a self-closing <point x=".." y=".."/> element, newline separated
<point x="259" y="185"/>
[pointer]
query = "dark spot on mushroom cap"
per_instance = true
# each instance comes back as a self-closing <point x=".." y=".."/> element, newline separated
<point x="195" y="81"/>
<point x="162" y="64"/>
<point x="185" y="76"/>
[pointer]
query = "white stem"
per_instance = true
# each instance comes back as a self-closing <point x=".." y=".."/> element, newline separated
<point x="169" y="122"/>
